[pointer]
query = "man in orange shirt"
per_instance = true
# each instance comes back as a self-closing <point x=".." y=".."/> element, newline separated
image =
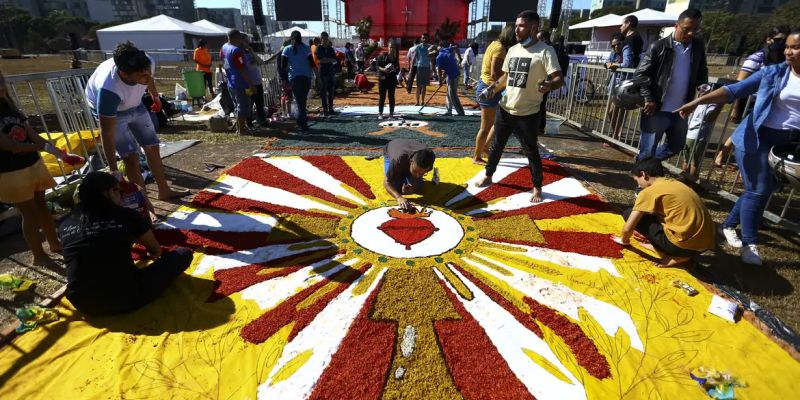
<point x="314" y="43"/>
<point x="203" y="61"/>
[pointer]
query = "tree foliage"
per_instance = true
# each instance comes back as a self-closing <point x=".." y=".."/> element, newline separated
<point x="619" y="10"/>
<point x="18" y="29"/>
<point x="718" y="31"/>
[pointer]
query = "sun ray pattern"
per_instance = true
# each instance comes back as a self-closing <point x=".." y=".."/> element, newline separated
<point x="308" y="283"/>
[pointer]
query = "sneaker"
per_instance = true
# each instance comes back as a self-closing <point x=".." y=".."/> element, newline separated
<point x="380" y="117"/>
<point x="750" y="255"/>
<point x="732" y="237"/>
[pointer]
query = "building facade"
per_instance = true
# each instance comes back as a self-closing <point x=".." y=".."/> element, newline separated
<point x="228" y="17"/>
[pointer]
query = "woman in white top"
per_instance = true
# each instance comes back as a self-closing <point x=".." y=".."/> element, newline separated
<point x="775" y="120"/>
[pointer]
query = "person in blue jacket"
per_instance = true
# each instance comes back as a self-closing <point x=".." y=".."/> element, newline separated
<point x="448" y="65"/>
<point x="775" y="120"/>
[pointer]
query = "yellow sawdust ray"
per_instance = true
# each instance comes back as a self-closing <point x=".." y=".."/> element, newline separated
<point x="292" y="366"/>
<point x="601" y="222"/>
<point x="455" y="282"/>
<point x="302" y="228"/>
<point x="414" y="298"/>
<point x="363" y="285"/>
<point x="518" y="227"/>
<point x="297" y="260"/>
<point x="344" y="277"/>
<point x="523" y="263"/>
<point x="483" y="244"/>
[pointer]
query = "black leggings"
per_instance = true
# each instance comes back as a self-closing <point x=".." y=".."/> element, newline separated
<point x="653" y="230"/>
<point x="209" y="82"/>
<point x="257" y="99"/>
<point x="384" y="86"/>
<point x="126" y="295"/>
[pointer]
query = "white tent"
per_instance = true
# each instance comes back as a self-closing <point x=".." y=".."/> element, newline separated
<point x="275" y="40"/>
<point x="159" y="32"/>
<point x="647" y="17"/>
<point x="651" y="23"/>
<point x="204" y="23"/>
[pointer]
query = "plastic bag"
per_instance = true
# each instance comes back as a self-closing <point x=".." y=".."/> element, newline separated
<point x="180" y="92"/>
<point x="293" y="112"/>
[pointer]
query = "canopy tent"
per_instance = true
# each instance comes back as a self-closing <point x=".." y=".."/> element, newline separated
<point x="206" y="24"/>
<point x="647" y="17"/>
<point x="406" y="19"/>
<point x="275" y="40"/>
<point x="651" y="24"/>
<point x="159" y="32"/>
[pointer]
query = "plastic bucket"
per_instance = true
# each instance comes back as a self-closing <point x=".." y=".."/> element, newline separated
<point x="552" y="126"/>
<point x="195" y="83"/>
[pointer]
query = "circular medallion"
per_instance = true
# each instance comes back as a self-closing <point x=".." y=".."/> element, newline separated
<point x="391" y="232"/>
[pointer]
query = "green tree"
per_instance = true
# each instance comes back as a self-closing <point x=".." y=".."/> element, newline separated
<point x="788" y="14"/>
<point x="719" y="31"/>
<point x="619" y="10"/>
<point x="448" y="29"/>
<point x="14" y="24"/>
<point x="363" y="27"/>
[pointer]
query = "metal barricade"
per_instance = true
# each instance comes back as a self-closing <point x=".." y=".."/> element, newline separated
<point x="585" y="103"/>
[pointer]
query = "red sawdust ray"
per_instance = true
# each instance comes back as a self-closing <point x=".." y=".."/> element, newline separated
<point x="225" y="202"/>
<point x="478" y="369"/>
<point x="259" y="171"/>
<point x="518" y="181"/>
<point x="232" y="280"/>
<point x="212" y="242"/>
<point x="359" y="368"/>
<point x="336" y="167"/>
<point x="557" y="209"/>
<point x="582" y="347"/>
<point x="273" y="320"/>
<point x="586" y="243"/>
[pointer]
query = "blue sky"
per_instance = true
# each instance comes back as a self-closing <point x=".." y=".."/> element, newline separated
<point x="317" y="26"/>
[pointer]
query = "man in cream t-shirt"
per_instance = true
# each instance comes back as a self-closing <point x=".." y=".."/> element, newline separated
<point x="531" y="70"/>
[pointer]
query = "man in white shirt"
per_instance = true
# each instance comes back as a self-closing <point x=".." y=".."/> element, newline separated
<point x="114" y="92"/>
<point x="530" y="71"/>
<point x="468" y="60"/>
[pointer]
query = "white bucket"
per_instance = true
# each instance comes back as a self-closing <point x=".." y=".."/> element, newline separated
<point x="552" y="126"/>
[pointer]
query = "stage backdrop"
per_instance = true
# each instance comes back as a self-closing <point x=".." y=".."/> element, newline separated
<point x="407" y="18"/>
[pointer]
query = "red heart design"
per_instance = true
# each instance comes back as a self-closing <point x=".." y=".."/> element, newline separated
<point x="408" y="232"/>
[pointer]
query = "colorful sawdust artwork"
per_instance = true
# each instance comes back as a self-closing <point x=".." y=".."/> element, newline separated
<point x="307" y="282"/>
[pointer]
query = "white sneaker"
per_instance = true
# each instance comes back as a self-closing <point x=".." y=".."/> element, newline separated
<point x="750" y="255"/>
<point x="732" y="237"/>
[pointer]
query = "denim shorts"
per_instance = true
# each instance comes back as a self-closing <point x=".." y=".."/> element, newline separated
<point x="134" y="128"/>
<point x="493" y="102"/>
<point x="423" y="76"/>
<point x="243" y="108"/>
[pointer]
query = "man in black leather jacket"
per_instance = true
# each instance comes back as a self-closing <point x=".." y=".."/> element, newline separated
<point x="676" y="66"/>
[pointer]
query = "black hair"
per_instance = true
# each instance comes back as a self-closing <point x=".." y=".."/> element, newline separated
<point x="129" y="59"/>
<point x="323" y="33"/>
<point x="91" y="193"/>
<point x="507" y="37"/>
<point x="530" y="15"/>
<point x="692" y="13"/>
<point x="618" y="36"/>
<point x="202" y="43"/>
<point x="545" y="34"/>
<point x="474" y="46"/>
<point x="416" y="40"/>
<point x="649" y="165"/>
<point x="234" y="34"/>
<point x="348" y="45"/>
<point x="424" y="158"/>
<point x="794" y="32"/>
<point x="632" y="20"/>
<point x="297" y="39"/>
<point x="784" y="29"/>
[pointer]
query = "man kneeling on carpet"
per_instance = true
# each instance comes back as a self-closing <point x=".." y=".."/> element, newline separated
<point x="97" y="237"/>
<point x="406" y="161"/>
<point x="669" y="214"/>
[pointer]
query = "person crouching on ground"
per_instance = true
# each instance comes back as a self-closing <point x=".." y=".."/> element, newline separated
<point x="114" y="93"/>
<point x="669" y="214"/>
<point x="97" y="236"/>
<point x="406" y="161"/>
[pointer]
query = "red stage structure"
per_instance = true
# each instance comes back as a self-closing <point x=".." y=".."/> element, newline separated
<point x="407" y="19"/>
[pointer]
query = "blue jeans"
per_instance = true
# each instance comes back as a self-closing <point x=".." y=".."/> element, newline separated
<point x="243" y="108"/>
<point x="759" y="183"/>
<point x="653" y="129"/>
<point x="300" y="88"/>
<point x="467" y="70"/>
<point x="327" y="87"/>
<point x="134" y="128"/>
<point x="452" y="100"/>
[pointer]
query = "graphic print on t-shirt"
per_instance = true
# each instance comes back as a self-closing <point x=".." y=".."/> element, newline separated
<point x="518" y="69"/>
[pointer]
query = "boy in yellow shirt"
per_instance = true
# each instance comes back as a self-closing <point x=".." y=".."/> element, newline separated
<point x="669" y="214"/>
